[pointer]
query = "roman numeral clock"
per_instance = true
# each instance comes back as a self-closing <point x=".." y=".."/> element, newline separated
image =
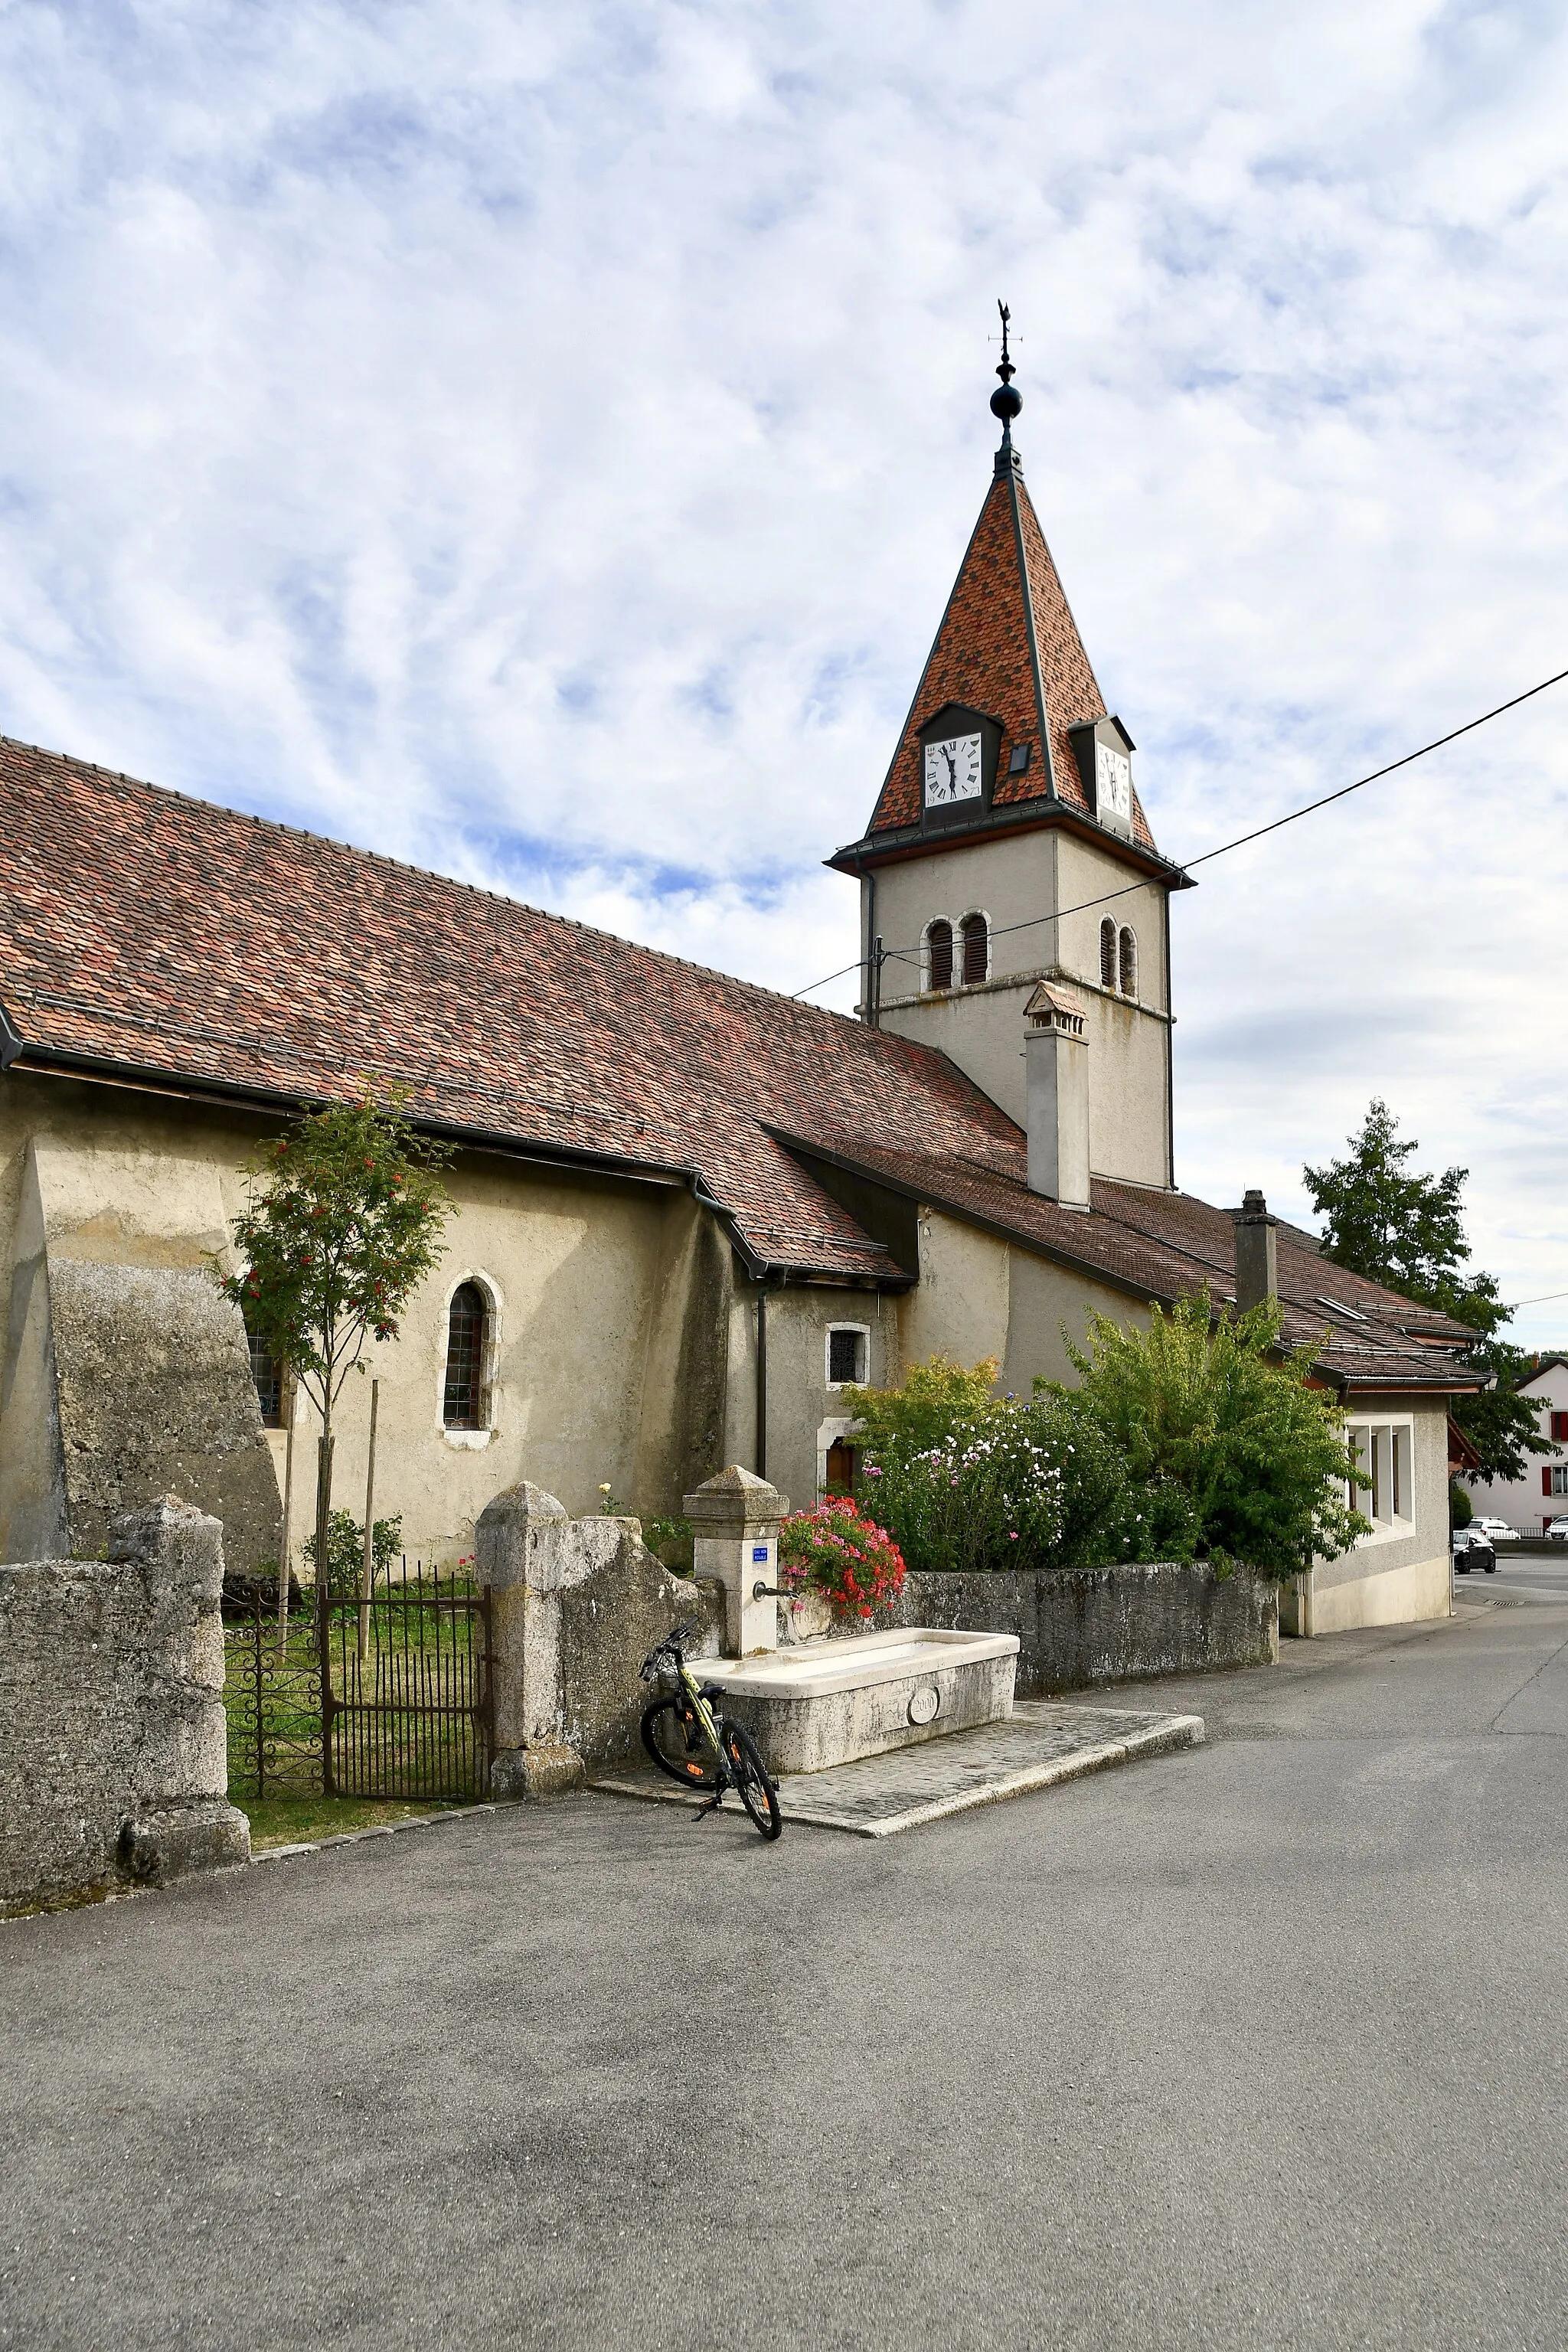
<point x="958" y="749"/>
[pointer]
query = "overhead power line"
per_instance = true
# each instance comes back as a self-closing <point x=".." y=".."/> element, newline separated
<point x="897" y="955"/>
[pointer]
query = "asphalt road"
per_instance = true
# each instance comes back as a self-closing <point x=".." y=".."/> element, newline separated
<point x="1536" y="1576"/>
<point x="1257" y="2045"/>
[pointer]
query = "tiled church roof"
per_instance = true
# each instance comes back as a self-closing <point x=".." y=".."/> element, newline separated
<point x="982" y="657"/>
<point x="153" y="936"/>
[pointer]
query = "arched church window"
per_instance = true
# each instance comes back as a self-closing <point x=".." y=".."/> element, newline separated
<point x="1108" y="953"/>
<point x="977" y="938"/>
<point x="267" y="1373"/>
<point x="1129" y="962"/>
<point x="939" y="955"/>
<point x="463" y="1398"/>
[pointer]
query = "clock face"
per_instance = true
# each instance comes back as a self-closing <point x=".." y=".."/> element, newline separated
<point x="953" y="771"/>
<point x="1114" y="781"/>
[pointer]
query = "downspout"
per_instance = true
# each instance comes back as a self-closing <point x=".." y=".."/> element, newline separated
<point x="1170" y="1058"/>
<point x="761" y="1448"/>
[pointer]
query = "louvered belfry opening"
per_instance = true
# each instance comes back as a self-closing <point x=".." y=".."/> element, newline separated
<point x="975" y="945"/>
<point x="939" y="956"/>
<point x="1108" y="953"/>
<point x="462" y="1405"/>
<point x="1129" y="971"/>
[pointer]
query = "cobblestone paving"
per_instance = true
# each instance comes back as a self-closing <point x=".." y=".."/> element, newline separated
<point x="1045" y="1740"/>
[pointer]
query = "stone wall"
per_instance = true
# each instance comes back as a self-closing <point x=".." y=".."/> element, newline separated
<point x="155" y="1394"/>
<point x="578" y="1604"/>
<point x="1107" y="1624"/>
<point x="112" y="1738"/>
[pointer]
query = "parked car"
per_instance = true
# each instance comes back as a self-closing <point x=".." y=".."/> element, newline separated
<point x="1499" y="1530"/>
<point x="1558" y="1531"/>
<point x="1473" y="1550"/>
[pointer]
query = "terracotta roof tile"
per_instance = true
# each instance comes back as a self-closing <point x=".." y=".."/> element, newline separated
<point x="982" y="657"/>
<point x="157" y="934"/>
<point x="143" y="929"/>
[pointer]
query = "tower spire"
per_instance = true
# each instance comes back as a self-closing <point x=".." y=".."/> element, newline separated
<point x="1004" y="402"/>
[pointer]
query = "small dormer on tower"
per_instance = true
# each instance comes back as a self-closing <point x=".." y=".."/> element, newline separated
<point x="1007" y="830"/>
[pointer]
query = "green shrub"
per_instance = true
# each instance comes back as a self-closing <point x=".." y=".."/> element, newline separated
<point x="1020" y="1486"/>
<point x="1461" y="1510"/>
<point x="346" y="1550"/>
<point x="936" y="1398"/>
<point x="671" y="1542"/>
<point x="1196" y="1404"/>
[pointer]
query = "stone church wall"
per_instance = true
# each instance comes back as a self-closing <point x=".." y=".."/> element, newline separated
<point x="112" y="1759"/>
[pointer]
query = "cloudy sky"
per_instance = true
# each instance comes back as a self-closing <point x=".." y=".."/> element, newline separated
<point x="537" y="442"/>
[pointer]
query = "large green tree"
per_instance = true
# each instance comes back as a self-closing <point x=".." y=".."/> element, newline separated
<point x="1393" y="1225"/>
<point x="343" y="1221"/>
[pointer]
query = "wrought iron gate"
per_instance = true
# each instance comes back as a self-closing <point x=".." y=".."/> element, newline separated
<point x="406" y="1708"/>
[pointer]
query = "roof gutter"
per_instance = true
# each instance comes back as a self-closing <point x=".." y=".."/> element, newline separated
<point x="47" y="1061"/>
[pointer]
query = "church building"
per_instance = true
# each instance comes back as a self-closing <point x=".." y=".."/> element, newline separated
<point x="691" y="1214"/>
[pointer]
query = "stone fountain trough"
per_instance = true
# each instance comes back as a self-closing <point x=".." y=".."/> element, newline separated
<point x="827" y="1701"/>
<point x="831" y="1700"/>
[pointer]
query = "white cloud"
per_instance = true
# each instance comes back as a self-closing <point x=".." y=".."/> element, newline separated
<point x="539" y="442"/>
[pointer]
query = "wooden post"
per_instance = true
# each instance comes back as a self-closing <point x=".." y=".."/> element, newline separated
<point x="324" y="1600"/>
<point x="367" y="1571"/>
<point x="286" y="1540"/>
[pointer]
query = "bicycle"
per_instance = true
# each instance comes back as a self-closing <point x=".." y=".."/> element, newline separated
<point x="681" y="1733"/>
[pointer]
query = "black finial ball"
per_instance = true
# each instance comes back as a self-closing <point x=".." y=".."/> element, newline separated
<point x="1005" y="403"/>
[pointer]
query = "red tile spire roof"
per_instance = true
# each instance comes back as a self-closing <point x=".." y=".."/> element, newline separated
<point x="1008" y="645"/>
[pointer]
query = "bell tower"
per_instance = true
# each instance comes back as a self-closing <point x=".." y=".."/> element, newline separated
<point x="1009" y="846"/>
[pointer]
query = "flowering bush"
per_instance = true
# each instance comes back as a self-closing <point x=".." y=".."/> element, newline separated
<point x="987" y="1495"/>
<point x="965" y="1480"/>
<point x="835" y="1551"/>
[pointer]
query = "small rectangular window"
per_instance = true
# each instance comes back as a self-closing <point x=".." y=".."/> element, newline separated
<point x="846" y="1356"/>
<point x="1560" y="1479"/>
<point x="1386" y="1459"/>
<point x="1560" y="1427"/>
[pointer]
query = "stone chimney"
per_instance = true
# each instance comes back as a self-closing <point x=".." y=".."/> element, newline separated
<point x="1057" y="1086"/>
<point x="1257" y="1264"/>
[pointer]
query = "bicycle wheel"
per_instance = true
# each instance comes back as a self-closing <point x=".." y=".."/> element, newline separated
<point x="749" y="1775"/>
<point x="672" y="1740"/>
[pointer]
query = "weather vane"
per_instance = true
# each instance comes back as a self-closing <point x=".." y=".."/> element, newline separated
<point x="1006" y="370"/>
<point x="1004" y="402"/>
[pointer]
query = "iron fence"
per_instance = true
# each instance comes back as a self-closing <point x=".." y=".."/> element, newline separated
<point x="407" y="1709"/>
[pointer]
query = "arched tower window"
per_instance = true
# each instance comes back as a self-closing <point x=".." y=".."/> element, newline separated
<point x="977" y="941"/>
<point x="463" y="1398"/>
<point x="1129" y="962"/>
<point x="939" y="955"/>
<point x="1108" y="952"/>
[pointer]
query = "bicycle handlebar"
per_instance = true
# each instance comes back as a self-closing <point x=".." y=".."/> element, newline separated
<point x="669" y="1648"/>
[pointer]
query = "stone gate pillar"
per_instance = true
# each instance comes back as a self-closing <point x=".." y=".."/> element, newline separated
<point x="736" y="1517"/>
<point x="523" y="1551"/>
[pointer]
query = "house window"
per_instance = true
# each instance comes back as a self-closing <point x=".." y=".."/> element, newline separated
<point x="267" y="1373"/>
<point x="1384" y="1491"/>
<point x="1128" y="965"/>
<point x="462" y="1401"/>
<point x="847" y="1346"/>
<point x="976" y="937"/>
<point x="1108" y="953"/>
<point x="939" y="956"/>
<point x="1560" y="1427"/>
<point x="1555" y="1481"/>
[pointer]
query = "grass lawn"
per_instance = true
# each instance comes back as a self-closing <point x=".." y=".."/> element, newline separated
<point x="296" y="1820"/>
